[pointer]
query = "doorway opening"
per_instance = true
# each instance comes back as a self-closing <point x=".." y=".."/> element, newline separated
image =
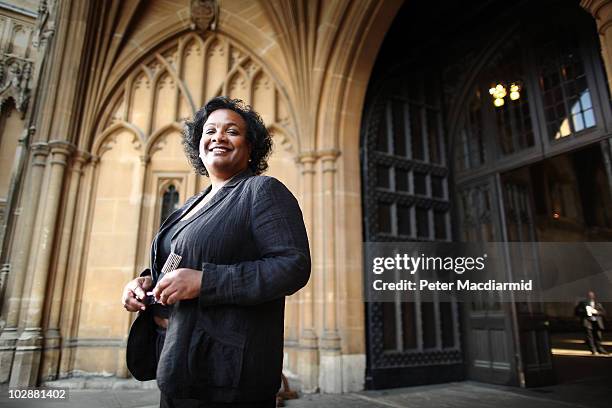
<point x="571" y="202"/>
<point x="483" y="127"/>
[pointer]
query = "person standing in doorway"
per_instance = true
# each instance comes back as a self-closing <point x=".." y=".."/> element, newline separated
<point x="591" y="314"/>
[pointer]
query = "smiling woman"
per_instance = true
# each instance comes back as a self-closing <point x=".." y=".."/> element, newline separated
<point x="223" y="144"/>
<point x="253" y="128"/>
<point x="212" y="331"/>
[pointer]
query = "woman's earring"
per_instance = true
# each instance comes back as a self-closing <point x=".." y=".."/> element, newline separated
<point x="250" y="160"/>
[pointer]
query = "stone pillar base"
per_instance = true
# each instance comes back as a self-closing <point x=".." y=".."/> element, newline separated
<point x="330" y="363"/>
<point x="330" y="371"/>
<point x="290" y="356"/>
<point x="50" y="355"/>
<point x="8" y="341"/>
<point x="308" y="362"/>
<point x="27" y="359"/>
<point x="67" y="354"/>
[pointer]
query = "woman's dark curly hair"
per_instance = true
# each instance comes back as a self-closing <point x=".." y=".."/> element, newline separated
<point x="257" y="134"/>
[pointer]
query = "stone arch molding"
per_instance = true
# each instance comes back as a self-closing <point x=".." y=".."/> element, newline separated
<point x="177" y="77"/>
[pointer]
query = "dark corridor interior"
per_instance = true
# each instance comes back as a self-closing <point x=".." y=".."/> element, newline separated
<point x="571" y="202"/>
<point x="438" y="147"/>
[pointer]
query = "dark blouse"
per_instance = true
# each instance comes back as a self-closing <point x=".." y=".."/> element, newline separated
<point x="164" y="247"/>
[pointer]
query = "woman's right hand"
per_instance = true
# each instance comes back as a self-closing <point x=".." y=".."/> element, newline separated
<point x="134" y="292"/>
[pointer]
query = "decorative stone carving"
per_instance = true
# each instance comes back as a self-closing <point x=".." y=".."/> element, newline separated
<point x="15" y="74"/>
<point x="108" y="144"/>
<point x="159" y="144"/>
<point x="204" y="15"/>
<point x="142" y="104"/>
<point x="45" y="24"/>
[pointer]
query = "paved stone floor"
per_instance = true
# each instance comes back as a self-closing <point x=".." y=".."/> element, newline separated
<point x="584" y="381"/>
<point x="469" y="395"/>
<point x="591" y="394"/>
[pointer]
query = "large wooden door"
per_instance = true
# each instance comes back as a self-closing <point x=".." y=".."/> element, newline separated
<point x="531" y="322"/>
<point x="489" y="342"/>
<point x="406" y="199"/>
<point x="506" y="342"/>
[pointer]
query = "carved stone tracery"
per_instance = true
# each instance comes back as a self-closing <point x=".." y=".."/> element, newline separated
<point x="142" y="101"/>
<point x="45" y="23"/>
<point x="15" y="75"/>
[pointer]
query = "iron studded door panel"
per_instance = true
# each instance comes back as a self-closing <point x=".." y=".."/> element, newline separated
<point x="406" y="198"/>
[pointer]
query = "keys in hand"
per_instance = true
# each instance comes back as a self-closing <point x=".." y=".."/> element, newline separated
<point x="172" y="262"/>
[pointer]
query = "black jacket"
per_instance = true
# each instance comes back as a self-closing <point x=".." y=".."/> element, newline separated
<point x="227" y="345"/>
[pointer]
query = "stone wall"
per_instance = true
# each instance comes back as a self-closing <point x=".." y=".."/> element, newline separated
<point x="116" y="84"/>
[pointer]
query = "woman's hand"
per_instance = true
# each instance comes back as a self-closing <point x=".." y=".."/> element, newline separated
<point x="135" y="290"/>
<point x="177" y="285"/>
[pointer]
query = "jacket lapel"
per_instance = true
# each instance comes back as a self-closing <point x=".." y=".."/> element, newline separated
<point x="219" y="196"/>
<point x="168" y="222"/>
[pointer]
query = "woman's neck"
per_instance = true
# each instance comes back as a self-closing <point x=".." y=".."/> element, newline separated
<point x="219" y="181"/>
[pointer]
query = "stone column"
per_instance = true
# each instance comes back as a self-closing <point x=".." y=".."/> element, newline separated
<point x="330" y="374"/>
<point x="6" y="222"/>
<point x="29" y="345"/>
<point x="141" y="247"/>
<point x="12" y="301"/>
<point x="51" y="354"/>
<point x="76" y="268"/>
<point x="308" y="354"/>
<point x="602" y="12"/>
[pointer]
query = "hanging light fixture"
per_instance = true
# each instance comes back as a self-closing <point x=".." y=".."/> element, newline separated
<point x="498" y="92"/>
<point x="515" y="89"/>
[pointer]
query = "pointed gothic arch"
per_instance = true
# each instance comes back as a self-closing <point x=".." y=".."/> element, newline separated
<point x="219" y="60"/>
